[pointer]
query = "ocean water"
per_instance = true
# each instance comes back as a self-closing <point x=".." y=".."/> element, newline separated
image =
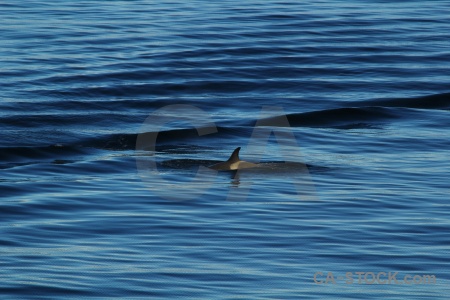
<point x="110" y="111"/>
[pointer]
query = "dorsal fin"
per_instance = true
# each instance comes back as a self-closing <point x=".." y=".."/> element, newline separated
<point x="235" y="156"/>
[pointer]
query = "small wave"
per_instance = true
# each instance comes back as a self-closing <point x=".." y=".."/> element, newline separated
<point x="156" y="89"/>
<point x="22" y="156"/>
<point x="437" y="101"/>
<point x="345" y="118"/>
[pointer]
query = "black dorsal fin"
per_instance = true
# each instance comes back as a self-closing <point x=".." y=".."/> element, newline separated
<point x="235" y="156"/>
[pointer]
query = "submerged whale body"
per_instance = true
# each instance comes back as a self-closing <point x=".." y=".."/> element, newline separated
<point x="233" y="163"/>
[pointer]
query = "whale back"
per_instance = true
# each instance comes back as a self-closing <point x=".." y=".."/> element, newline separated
<point x="233" y="163"/>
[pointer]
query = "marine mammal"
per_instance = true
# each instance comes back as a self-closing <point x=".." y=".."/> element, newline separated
<point x="233" y="163"/>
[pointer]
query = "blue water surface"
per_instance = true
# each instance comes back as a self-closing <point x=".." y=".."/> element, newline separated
<point x="346" y="104"/>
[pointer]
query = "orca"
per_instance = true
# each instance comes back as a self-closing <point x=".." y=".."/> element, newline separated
<point x="233" y="163"/>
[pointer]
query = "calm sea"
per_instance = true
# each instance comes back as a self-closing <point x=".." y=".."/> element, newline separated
<point x="345" y="103"/>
